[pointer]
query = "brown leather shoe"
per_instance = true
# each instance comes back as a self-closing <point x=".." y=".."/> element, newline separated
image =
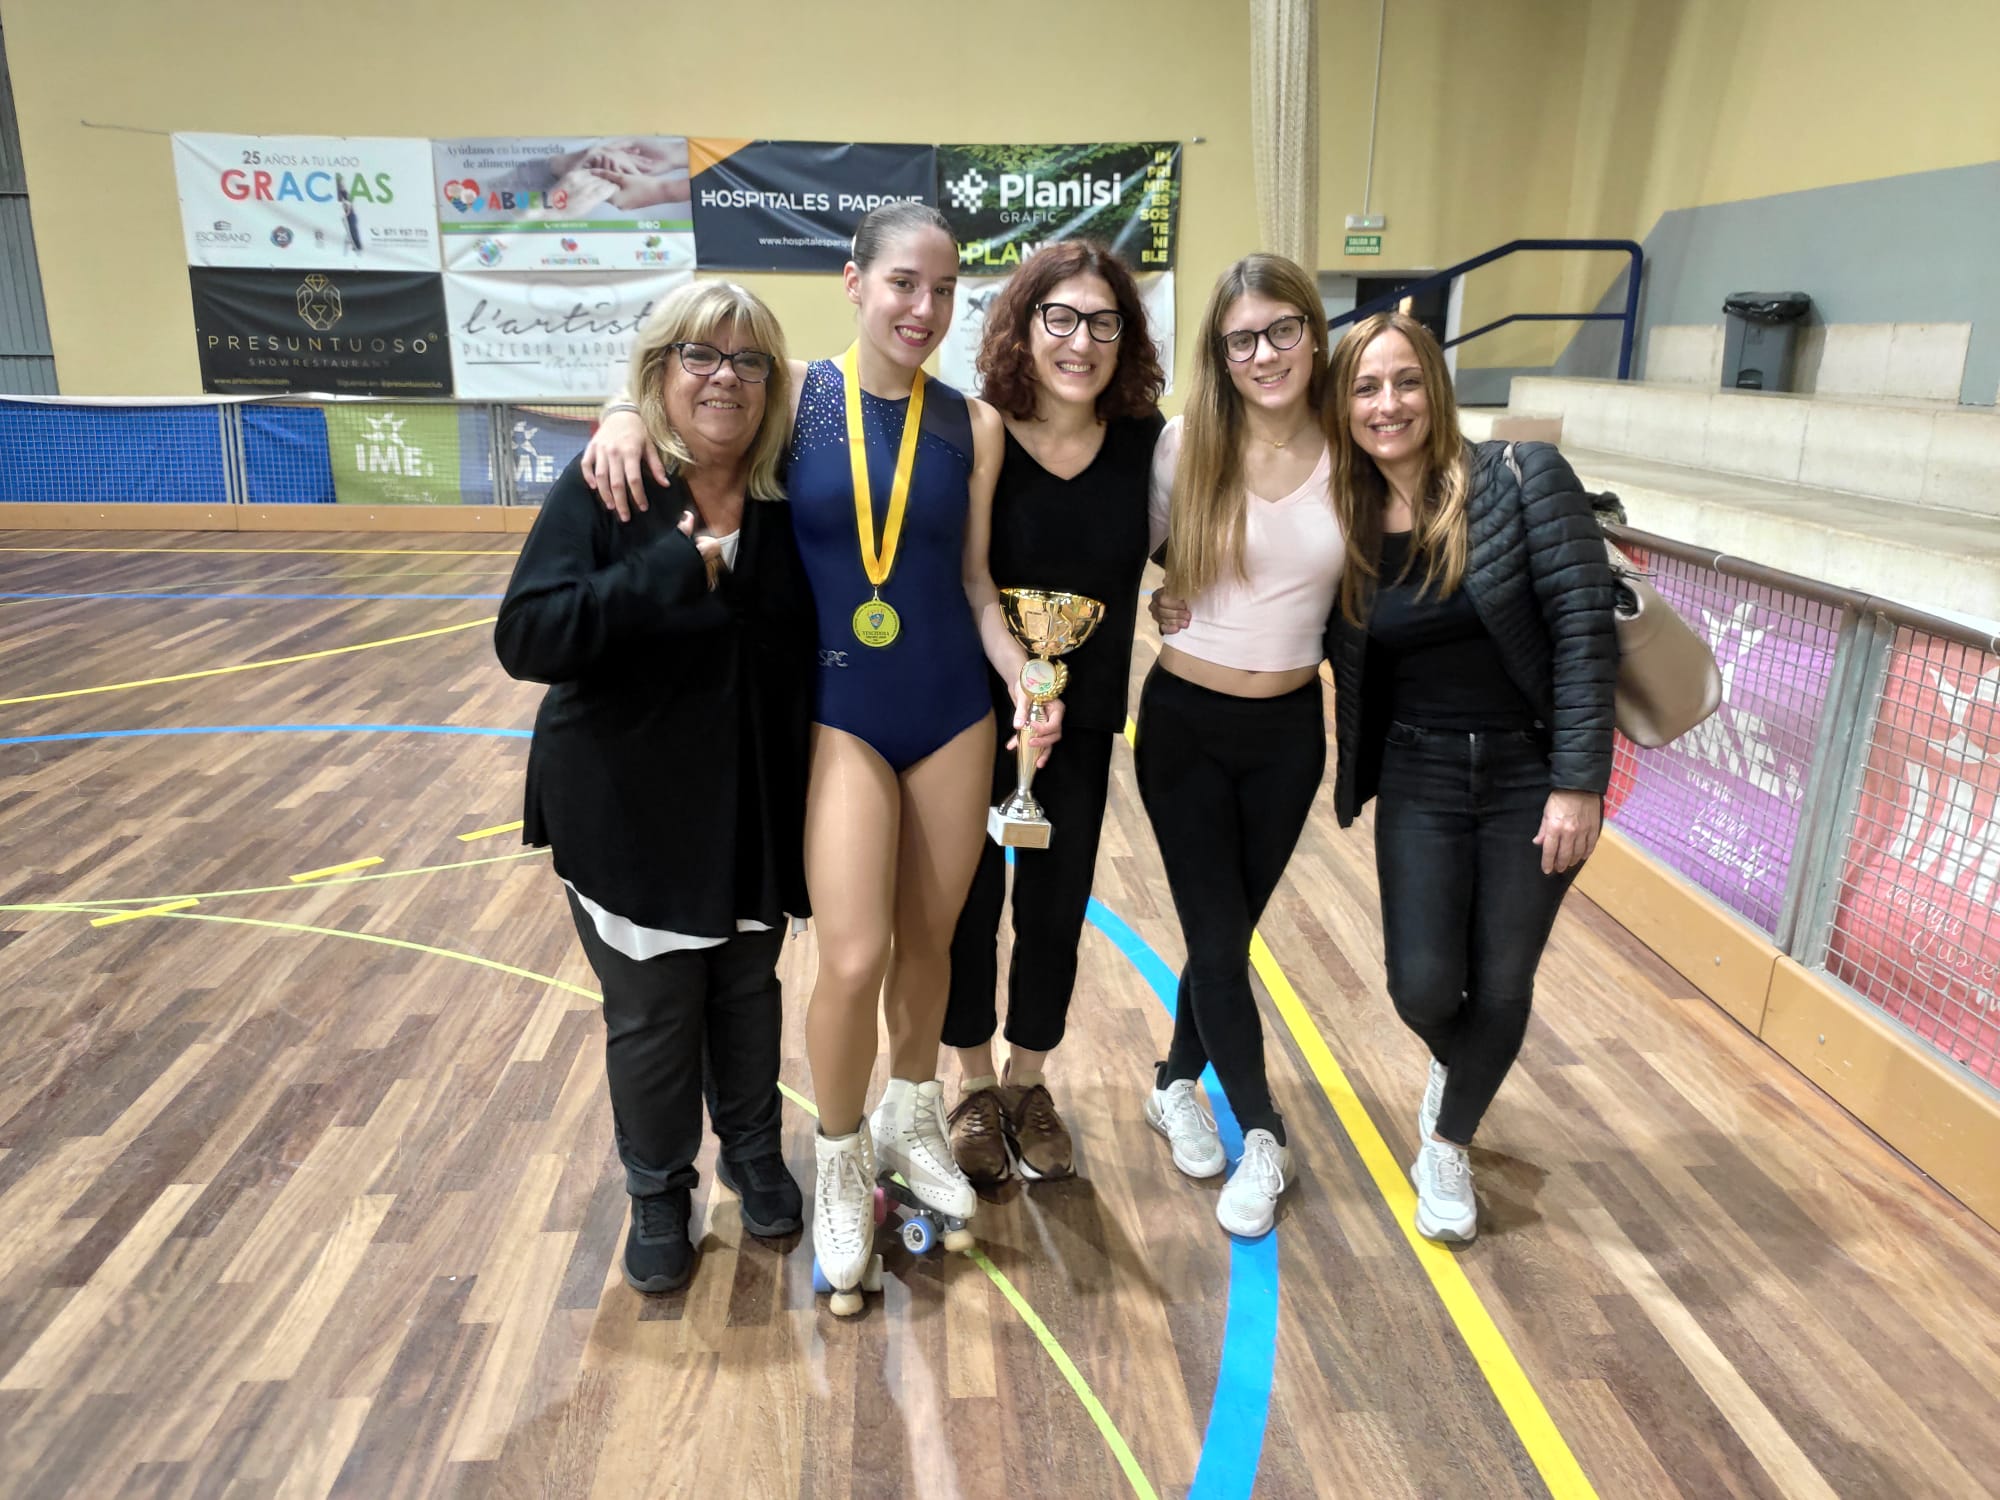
<point x="1036" y="1132"/>
<point x="977" y="1142"/>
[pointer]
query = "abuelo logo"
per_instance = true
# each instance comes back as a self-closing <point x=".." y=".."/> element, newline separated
<point x="318" y="303"/>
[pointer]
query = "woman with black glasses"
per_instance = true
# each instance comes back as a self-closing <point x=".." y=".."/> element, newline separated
<point x="668" y="768"/>
<point x="1069" y="363"/>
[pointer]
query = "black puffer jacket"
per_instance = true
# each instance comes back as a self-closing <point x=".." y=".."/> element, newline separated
<point x="1538" y="577"/>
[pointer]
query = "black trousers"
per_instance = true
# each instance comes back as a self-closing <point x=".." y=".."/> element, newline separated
<point x="704" y="1020"/>
<point x="1051" y="896"/>
<point x="1227" y="783"/>
<point x="1466" y="909"/>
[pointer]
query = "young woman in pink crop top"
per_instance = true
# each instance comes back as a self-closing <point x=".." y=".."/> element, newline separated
<point x="1232" y="737"/>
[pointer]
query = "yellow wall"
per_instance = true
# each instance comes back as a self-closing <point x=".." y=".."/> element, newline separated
<point x="107" y="221"/>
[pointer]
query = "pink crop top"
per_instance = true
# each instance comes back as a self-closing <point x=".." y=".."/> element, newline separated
<point x="1294" y="549"/>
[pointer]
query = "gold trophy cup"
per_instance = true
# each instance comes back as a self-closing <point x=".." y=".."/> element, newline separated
<point x="1048" y="625"/>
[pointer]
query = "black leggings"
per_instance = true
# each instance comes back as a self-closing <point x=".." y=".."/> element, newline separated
<point x="704" y="1020"/>
<point x="1051" y="895"/>
<point x="1227" y="783"/>
<point x="1466" y="909"/>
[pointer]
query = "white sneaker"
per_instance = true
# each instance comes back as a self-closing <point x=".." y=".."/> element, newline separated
<point x="913" y="1139"/>
<point x="1427" y="1112"/>
<point x="843" y="1229"/>
<point x="1446" y="1206"/>
<point x="1175" y="1111"/>
<point x="1250" y="1200"/>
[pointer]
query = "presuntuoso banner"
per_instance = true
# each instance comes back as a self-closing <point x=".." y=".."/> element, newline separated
<point x="306" y="202"/>
<point x="559" y="203"/>
<point x="1005" y="202"/>
<point x="794" y="205"/>
<point x="352" y="333"/>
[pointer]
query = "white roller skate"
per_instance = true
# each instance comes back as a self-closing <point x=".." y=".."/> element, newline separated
<point x="844" y="1219"/>
<point x="912" y="1142"/>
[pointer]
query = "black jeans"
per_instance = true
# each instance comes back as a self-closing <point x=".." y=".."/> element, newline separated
<point x="676" y="1026"/>
<point x="1466" y="909"/>
<point x="1051" y="895"/>
<point x="1227" y="783"/>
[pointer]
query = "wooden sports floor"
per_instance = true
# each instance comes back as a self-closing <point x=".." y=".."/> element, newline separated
<point x="306" y="1189"/>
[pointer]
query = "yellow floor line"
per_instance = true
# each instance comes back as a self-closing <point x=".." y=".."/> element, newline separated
<point x="1516" y="1393"/>
<point x="487" y="833"/>
<point x="150" y="911"/>
<point x="353" y="864"/>
<point x="1106" y="1427"/>
<point x="249" y="666"/>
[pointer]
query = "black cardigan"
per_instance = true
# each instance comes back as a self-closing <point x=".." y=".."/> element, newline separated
<point x="1537" y="574"/>
<point x="668" y="768"/>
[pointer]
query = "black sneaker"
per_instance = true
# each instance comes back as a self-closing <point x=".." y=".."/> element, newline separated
<point x="770" y="1201"/>
<point x="658" y="1255"/>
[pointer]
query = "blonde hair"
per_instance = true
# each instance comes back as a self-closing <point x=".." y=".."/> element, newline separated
<point x="695" y="313"/>
<point x="1209" y="509"/>
<point x="1438" y="531"/>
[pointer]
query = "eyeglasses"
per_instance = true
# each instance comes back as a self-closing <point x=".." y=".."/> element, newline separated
<point x="753" y="365"/>
<point x="1241" y="344"/>
<point x="1060" y="319"/>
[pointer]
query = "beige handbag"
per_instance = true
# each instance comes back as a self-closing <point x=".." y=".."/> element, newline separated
<point x="1667" y="678"/>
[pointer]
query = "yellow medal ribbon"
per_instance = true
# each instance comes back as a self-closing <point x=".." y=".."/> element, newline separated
<point x="875" y="622"/>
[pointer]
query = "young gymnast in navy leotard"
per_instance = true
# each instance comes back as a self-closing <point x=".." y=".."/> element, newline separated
<point x="895" y="547"/>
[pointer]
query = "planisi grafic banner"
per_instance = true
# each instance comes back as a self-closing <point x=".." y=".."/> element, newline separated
<point x="1005" y="202"/>
<point x="533" y="336"/>
<point x="794" y="205"/>
<point x="306" y="202"/>
<point x="350" y="333"/>
<point x="564" y="204"/>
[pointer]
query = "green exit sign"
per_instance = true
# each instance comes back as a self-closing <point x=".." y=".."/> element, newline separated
<point x="1364" y="244"/>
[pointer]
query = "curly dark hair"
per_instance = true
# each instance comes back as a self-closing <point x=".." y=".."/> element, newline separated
<point x="1006" y="360"/>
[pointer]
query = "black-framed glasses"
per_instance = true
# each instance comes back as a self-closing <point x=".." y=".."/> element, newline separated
<point x="1241" y="344"/>
<point x="753" y="365"/>
<point x="1060" y="319"/>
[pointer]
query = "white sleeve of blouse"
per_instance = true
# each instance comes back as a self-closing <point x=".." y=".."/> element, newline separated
<point x="1160" y="489"/>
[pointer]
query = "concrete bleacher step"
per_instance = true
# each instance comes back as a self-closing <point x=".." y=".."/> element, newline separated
<point x="1484" y="423"/>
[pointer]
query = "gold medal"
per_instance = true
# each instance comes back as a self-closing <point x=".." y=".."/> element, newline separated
<point x="876" y="622"/>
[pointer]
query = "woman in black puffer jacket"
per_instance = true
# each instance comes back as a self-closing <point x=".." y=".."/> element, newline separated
<point x="1474" y="660"/>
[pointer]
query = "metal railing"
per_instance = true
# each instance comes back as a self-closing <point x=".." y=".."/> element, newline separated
<point x="1845" y="799"/>
<point x="1628" y="319"/>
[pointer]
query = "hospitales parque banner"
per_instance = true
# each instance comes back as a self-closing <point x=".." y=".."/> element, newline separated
<point x="563" y="204"/>
<point x="794" y="205"/>
<point x="536" y="336"/>
<point x="347" y="333"/>
<point x="1004" y="202"/>
<point x="306" y="202"/>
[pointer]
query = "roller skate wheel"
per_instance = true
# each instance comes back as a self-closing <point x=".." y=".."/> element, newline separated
<point x="881" y="1207"/>
<point x="918" y="1235"/>
<point x="844" y="1304"/>
<point x="958" y="1239"/>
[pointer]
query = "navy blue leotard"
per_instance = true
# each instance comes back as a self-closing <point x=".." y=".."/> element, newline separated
<point x="910" y="697"/>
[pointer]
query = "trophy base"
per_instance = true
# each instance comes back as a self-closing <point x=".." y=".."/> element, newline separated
<point x="1017" y="833"/>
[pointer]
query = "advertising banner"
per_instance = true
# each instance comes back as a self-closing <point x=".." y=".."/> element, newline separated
<point x="958" y="355"/>
<point x="538" y="443"/>
<point x="1721" y="804"/>
<point x="530" y="336"/>
<point x="561" y="203"/>
<point x="394" y="455"/>
<point x="1917" y="928"/>
<point x="306" y="202"/>
<point x="794" y="205"/>
<point x="347" y="333"/>
<point x="1005" y="202"/>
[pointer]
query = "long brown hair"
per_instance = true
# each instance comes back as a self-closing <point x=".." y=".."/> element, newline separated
<point x="1209" y="509"/>
<point x="1006" y="351"/>
<point x="1438" y="537"/>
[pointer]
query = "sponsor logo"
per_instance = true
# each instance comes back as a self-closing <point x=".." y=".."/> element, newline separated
<point x="384" y="450"/>
<point x="967" y="191"/>
<point x="462" y="193"/>
<point x="1024" y="191"/>
<point x="569" y="244"/>
<point x="222" y="232"/>
<point x="832" y="658"/>
<point x="318" y="303"/>
<point x="261" y="186"/>
<point x="281" y="237"/>
<point x="531" y="466"/>
<point x="489" y="252"/>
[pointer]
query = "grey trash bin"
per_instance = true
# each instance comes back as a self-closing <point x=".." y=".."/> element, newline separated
<point x="1761" y="339"/>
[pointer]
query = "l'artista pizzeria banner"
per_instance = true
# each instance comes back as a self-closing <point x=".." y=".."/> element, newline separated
<point x="302" y="202"/>
<point x="1006" y="202"/>
<point x="346" y="333"/>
